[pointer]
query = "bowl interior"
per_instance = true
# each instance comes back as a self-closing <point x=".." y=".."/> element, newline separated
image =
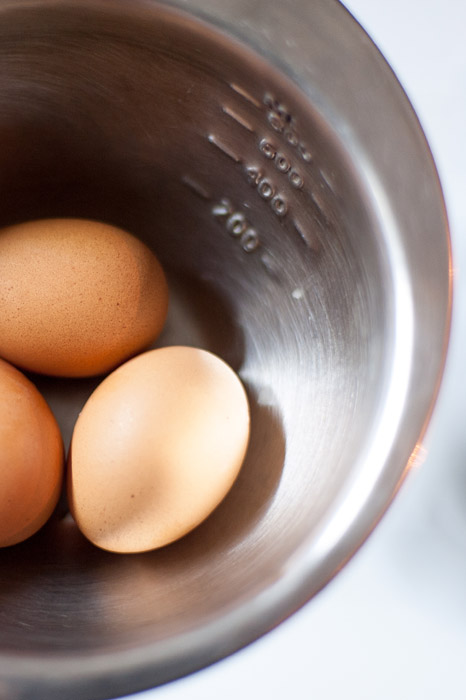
<point x="139" y="116"/>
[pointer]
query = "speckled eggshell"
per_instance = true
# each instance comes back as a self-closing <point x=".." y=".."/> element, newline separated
<point x="156" y="448"/>
<point x="77" y="297"/>
<point x="31" y="458"/>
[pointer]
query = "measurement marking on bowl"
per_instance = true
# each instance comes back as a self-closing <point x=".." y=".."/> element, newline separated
<point x="321" y="215"/>
<point x="196" y="187"/>
<point x="236" y="224"/>
<point x="222" y="147"/>
<point x="238" y="119"/>
<point x="283" y="122"/>
<point x="281" y="162"/>
<point x="266" y="189"/>
<point x="308" y="238"/>
<point x="326" y="179"/>
<point x="244" y="93"/>
<point x="259" y="178"/>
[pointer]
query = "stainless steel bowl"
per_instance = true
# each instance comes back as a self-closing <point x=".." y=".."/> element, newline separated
<point x="268" y="155"/>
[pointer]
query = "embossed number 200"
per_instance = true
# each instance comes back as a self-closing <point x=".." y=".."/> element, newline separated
<point x="237" y="225"/>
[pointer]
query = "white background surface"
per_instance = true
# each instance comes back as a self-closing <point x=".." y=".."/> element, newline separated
<point x="392" y="625"/>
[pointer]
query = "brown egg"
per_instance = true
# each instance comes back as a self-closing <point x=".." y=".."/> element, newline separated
<point x="77" y="297"/>
<point x="31" y="458"/>
<point x="156" y="448"/>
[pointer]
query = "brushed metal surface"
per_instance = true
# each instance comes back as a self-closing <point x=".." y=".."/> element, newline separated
<point x="271" y="160"/>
